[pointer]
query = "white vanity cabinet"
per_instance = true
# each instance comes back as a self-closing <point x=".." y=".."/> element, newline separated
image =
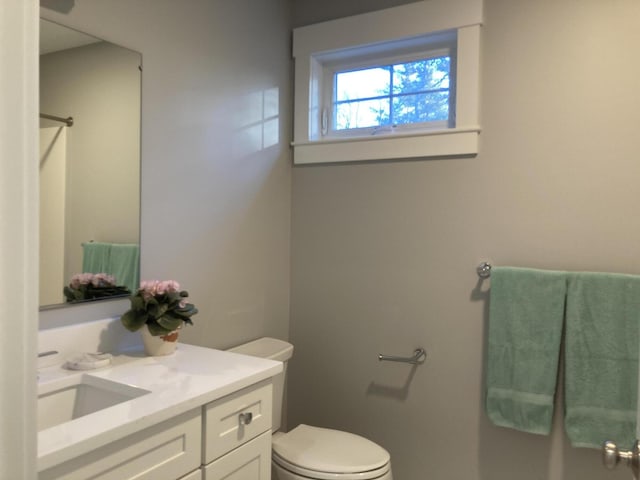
<point x="229" y="438"/>
<point x="207" y="416"/>
<point x="237" y="435"/>
<point x="165" y="451"/>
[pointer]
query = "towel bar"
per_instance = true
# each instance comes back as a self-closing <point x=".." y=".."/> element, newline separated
<point x="419" y="356"/>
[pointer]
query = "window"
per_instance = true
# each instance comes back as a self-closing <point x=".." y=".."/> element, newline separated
<point x="415" y="93"/>
<point x="400" y="94"/>
<point x="397" y="83"/>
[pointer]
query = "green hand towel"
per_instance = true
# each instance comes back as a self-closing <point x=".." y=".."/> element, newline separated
<point x="525" y="330"/>
<point x="601" y="358"/>
<point x="124" y="265"/>
<point x="95" y="257"/>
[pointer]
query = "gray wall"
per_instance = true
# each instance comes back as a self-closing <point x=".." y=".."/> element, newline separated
<point x="216" y="174"/>
<point x="384" y="254"/>
<point x="306" y="12"/>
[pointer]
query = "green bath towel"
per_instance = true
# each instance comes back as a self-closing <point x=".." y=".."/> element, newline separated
<point x="124" y="265"/>
<point x="96" y="257"/>
<point x="601" y="358"/>
<point x="122" y="260"/>
<point x="525" y="330"/>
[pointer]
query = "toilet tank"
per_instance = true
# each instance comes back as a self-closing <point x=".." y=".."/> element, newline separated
<point x="273" y="349"/>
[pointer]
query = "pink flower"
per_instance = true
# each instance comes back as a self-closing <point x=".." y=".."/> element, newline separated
<point x="168" y="286"/>
<point x="152" y="288"/>
<point x="103" y="280"/>
<point x="75" y="281"/>
<point x="81" y="279"/>
<point x="147" y="288"/>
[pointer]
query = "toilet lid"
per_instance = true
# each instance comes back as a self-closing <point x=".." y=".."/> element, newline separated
<point x="329" y="451"/>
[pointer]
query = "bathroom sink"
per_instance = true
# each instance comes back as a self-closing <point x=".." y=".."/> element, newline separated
<point x="70" y="398"/>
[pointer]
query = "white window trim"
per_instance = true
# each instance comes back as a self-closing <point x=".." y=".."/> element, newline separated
<point x="313" y="44"/>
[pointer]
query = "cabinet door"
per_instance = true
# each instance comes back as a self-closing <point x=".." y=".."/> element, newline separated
<point x="251" y="461"/>
<point x="163" y="452"/>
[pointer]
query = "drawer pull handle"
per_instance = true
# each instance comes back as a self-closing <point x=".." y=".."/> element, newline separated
<point x="245" y="418"/>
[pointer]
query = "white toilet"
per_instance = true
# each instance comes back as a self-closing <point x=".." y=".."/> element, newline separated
<point x="314" y="453"/>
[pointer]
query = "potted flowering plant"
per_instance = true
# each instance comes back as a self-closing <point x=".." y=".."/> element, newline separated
<point x="88" y="286"/>
<point x="160" y="309"/>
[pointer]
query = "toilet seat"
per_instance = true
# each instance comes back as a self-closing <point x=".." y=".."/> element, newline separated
<point x="316" y="475"/>
<point x="325" y="454"/>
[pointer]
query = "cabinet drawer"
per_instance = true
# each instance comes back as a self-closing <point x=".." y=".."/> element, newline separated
<point x="235" y="419"/>
<point x="251" y="461"/>
<point x="163" y="452"/>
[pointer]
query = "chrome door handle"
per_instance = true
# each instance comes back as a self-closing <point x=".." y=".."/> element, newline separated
<point x="612" y="455"/>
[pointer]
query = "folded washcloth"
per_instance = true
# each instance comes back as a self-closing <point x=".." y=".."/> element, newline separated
<point x="88" y="361"/>
<point x="601" y="358"/>
<point x="525" y="330"/>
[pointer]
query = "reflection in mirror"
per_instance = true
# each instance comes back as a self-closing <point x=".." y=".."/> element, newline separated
<point x="89" y="166"/>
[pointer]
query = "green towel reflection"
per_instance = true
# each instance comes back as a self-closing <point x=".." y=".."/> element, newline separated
<point x="121" y="260"/>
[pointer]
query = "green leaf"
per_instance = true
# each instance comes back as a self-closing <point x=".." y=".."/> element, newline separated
<point x="133" y="320"/>
<point x="137" y="302"/>
<point x="170" y="322"/>
<point x="157" y="310"/>
<point x="173" y="296"/>
<point x="187" y="311"/>
<point x="155" y="329"/>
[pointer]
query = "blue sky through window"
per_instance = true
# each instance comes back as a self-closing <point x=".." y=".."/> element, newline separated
<point x="398" y="94"/>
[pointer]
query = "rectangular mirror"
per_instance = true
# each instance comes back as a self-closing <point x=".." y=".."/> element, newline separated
<point x="89" y="162"/>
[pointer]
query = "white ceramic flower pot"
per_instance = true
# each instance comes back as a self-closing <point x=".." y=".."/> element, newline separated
<point x="159" y="345"/>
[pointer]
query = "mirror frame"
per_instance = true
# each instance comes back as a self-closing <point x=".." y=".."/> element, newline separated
<point x="114" y="303"/>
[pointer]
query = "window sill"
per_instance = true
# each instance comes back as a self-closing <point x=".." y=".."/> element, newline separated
<point x="440" y="143"/>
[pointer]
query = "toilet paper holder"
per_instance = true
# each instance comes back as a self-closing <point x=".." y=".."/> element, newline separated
<point x="418" y="357"/>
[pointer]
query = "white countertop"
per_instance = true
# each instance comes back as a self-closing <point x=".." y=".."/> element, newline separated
<point x="187" y="379"/>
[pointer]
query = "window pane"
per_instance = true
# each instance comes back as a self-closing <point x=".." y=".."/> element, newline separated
<point x="416" y="91"/>
<point x="422" y="75"/>
<point x="422" y="107"/>
<point x="367" y="113"/>
<point x="367" y="83"/>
